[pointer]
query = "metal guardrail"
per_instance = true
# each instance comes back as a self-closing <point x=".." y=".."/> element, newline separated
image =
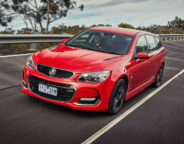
<point x="43" y="38"/>
<point x="31" y="38"/>
<point x="171" y="37"/>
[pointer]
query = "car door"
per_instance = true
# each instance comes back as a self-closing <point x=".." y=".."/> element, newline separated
<point x="154" y="53"/>
<point x="140" y="70"/>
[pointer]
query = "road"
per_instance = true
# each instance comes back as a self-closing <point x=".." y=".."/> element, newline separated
<point x="27" y="120"/>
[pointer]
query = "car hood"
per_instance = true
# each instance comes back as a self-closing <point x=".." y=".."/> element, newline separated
<point x="75" y="59"/>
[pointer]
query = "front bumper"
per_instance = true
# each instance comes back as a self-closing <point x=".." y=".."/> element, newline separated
<point x="81" y="90"/>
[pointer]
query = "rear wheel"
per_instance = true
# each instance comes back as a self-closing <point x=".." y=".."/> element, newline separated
<point x="117" y="97"/>
<point x="159" y="77"/>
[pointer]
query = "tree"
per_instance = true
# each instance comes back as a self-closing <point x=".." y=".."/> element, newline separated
<point x="25" y="31"/>
<point x="4" y="18"/>
<point x="7" y="31"/>
<point x="67" y="29"/>
<point x="176" y="23"/>
<point x="36" y="12"/>
<point x="125" y="25"/>
<point x="105" y="25"/>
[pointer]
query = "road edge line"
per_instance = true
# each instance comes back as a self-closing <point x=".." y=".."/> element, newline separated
<point x="5" y="56"/>
<point x="127" y="112"/>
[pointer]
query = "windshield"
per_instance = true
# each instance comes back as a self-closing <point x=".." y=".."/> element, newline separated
<point x="102" y="41"/>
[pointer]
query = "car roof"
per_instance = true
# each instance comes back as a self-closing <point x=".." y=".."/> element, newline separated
<point x="126" y="31"/>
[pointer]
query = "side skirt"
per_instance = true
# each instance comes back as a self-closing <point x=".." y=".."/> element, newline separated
<point x="139" y="88"/>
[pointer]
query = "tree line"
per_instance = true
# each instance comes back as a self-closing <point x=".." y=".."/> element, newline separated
<point x="38" y="15"/>
<point x="175" y="26"/>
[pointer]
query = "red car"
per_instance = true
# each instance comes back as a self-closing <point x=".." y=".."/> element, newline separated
<point x="97" y="69"/>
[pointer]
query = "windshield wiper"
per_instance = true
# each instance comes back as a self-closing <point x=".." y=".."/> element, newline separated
<point x="113" y="53"/>
<point x="83" y="46"/>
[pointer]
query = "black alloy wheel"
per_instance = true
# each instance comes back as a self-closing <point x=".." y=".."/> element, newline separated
<point x="159" y="77"/>
<point x="117" y="97"/>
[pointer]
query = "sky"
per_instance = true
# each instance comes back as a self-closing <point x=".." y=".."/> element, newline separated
<point x="113" y="12"/>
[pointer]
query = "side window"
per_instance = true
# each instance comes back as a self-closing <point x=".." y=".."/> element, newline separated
<point x="151" y="42"/>
<point x="83" y="37"/>
<point x="158" y="42"/>
<point x="141" y="45"/>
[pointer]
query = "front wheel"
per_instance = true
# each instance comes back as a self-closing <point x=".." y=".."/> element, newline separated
<point x="159" y="77"/>
<point x="117" y="97"/>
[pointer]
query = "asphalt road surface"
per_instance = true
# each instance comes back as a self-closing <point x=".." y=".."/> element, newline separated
<point x="27" y="120"/>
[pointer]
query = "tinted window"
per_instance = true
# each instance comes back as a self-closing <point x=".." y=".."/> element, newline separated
<point x="102" y="41"/>
<point x="151" y="42"/>
<point x="83" y="38"/>
<point x="158" y="42"/>
<point x="141" y="45"/>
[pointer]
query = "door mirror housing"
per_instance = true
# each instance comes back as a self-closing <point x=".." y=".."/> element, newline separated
<point x="141" y="55"/>
<point x="64" y="40"/>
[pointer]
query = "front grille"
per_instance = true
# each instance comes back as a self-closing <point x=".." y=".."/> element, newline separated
<point x="65" y="92"/>
<point x="59" y="73"/>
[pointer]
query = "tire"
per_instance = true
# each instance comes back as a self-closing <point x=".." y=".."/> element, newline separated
<point x="159" y="77"/>
<point x="117" y="97"/>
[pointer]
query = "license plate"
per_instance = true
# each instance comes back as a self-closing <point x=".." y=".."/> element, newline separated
<point x="47" y="89"/>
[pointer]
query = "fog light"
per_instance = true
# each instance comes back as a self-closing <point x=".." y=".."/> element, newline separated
<point x="88" y="99"/>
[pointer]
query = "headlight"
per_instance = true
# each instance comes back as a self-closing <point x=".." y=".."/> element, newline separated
<point x="96" y="77"/>
<point x="30" y="62"/>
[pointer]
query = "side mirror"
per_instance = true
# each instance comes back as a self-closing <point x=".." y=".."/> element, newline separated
<point x="141" y="55"/>
<point x="64" y="40"/>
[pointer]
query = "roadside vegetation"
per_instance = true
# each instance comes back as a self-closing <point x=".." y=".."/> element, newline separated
<point x="175" y="26"/>
<point x="38" y="20"/>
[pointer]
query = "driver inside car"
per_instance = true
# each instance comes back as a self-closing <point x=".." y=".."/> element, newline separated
<point x="97" y="41"/>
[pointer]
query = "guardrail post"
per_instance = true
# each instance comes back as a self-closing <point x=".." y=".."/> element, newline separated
<point x="34" y="46"/>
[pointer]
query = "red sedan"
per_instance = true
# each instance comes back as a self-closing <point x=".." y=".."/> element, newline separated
<point x="97" y="69"/>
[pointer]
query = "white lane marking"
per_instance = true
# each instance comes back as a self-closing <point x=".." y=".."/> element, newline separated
<point x="129" y="111"/>
<point x="5" y="56"/>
